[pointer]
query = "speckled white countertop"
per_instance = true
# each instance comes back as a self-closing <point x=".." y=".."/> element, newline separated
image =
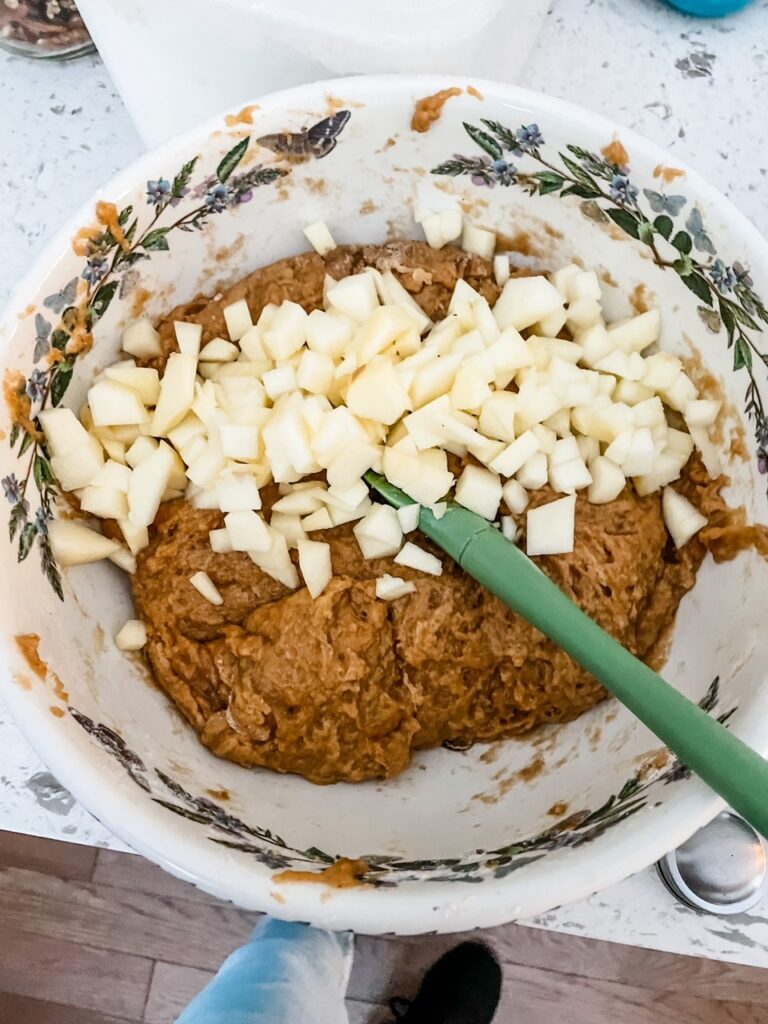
<point x="698" y="88"/>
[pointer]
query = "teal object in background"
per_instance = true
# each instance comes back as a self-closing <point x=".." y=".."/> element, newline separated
<point x="710" y="8"/>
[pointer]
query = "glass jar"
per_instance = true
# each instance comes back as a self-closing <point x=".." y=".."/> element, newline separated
<point x="47" y="29"/>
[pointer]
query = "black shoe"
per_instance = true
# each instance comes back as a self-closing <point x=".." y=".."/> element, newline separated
<point x="462" y="987"/>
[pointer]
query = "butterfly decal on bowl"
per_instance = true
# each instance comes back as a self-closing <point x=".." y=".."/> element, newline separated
<point x="317" y="141"/>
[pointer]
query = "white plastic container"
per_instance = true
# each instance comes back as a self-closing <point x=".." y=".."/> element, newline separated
<point x="176" y="62"/>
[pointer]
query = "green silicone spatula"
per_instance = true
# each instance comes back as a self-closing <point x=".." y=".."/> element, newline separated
<point x="718" y="757"/>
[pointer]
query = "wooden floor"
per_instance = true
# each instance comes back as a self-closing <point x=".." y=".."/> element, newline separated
<point x="94" y="937"/>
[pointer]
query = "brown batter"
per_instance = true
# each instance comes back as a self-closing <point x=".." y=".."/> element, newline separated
<point x="345" y="687"/>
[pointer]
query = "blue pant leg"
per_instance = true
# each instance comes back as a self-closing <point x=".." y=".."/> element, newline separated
<point x="286" y="974"/>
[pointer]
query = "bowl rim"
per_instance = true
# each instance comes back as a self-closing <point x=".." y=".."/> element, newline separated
<point x="414" y="907"/>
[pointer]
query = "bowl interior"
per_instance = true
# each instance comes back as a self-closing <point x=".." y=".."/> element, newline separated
<point x="462" y="838"/>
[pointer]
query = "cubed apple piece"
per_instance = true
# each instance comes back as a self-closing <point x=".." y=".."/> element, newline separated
<point x="421" y="479"/>
<point x="550" y="527"/>
<point x="142" y="379"/>
<point x="328" y="333"/>
<point x="509" y="528"/>
<point x="247" y="531"/>
<point x="501" y="268"/>
<point x="205" y="586"/>
<point x="104" y="502"/>
<point x="377" y="394"/>
<point x="390" y="588"/>
<point x="320" y="519"/>
<point x="140" y="339"/>
<point x="78" y="467"/>
<point x="470" y="388"/>
<point x="479" y="241"/>
<point x="515" y="496"/>
<point x="237" y="317"/>
<point x="63" y="431"/>
<point x="290" y="526"/>
<point x="177" y="393"/>
<point x="534" y="472"/>
<point x="319" y="237"/>
<point x="524" y="300"/>
<point x="279" y="381"/>
<point x="434" y="378"/>
<point x="240" y="441"/>
<point x="702" y="412"/>
<point x="276" y="560"/>
<point x="415" y="557"/>
<point x="315" y="565"/>
<point x="710" y="456"/>
<point x="219" y="541"/>
<point x="114" y="404"/>
<point x="379" y="533"/>
<point x="218" y="350"/>
<point x="409" y="517"/>
<point x="497" y="416"/>
<point x="300" y="502"/>
<point x="132" y="636"/>
<point x="570" y="476"/>
<point x="136" y="537"/>
<point x="607" y="481"/>
<point x="149" y="482"/>
<point x="113" y="474"/>
<point x="681" y="518"/>
<point x="315" y="372"/>
<point x="140" y="450"/>
<point x="287" y="332"/>
<point x="397" y="295"/>
<point x="354" y="296"/>
<point x="188" y="337"/>
<point x="680" y="393"/>
<point x="636" y="333"/>
<point x="516" y="454"/>
<point x="238" y="492"/>
<point x="479" y="490"/>
<point x="75" y="544"/>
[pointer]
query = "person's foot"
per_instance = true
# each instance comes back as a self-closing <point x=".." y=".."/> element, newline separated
<point x="462" y="987"/>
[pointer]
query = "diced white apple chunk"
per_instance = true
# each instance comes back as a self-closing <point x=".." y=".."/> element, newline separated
<point x="390" y="588"/>
<point x="583" y="285"/>
<point x="377" y="394"/>
<point x="149" y="481"/>
<point x="124" y="560"/>
<point x="78" y="467"/>
<point x="497" y="416"/>
<point x="478" y="241"/>
<point x="328" y="333"/>
<point x="661" y="370"/>
<point x="680" y="392"/>
<point x="219" y="351"/>
<point x="205" y="586"/>
<point x="409" y="517"/>
<point x="140" y="450"/>
<point x="237" y="317"/>
<point x="516" y="454"/>
<point x="422" y="481"/>
<point x="140" y="339"/>
<point x="509" y="528"/>
<point x="276" y="560"/>
<point x="637" y="333"/>
<point x="113" y="474"/>
<point x="701" y="412"/>
<point x="641" y="455"/>
<point x="177" y="392"/>
<point x="219" y="541"/>
<point x="75" y="544"/>
<point x="379" y="533"/>
<point x="550" y="527"/>
<point x="709" y="453"/>
<point x="142" y="379"/>
<point x="188" y="337"/>
<point x="354" y="296"/>
<point x="104" y="502"/>
<point x="319" y="237"/>
<point x="279" y="381"/>
<point x="415" y="557"/>
<point x="114" y="404"/>
<point x="534" y="472"/>
<point x="433" y="230"/>
<point x="290" y="526"/>
<point x="240" y="442"/>
<point x="238" y="492"/>
<point x="315" y="565"/>
<point x="315" y="372"/>
<point x="681" y="518"/>
<point x="320" y="519"/>
<point x="247" y="531"/>
<point x="287" y="332"/>
<point x="397" y="295"/>
<point x="583" y="313"/>
<point x="479" y="490"/>
<point x="569" y="476"/>
<point x="524" y="300"/>
<point x="607" y="481"/>
<point x="501" y="269"/>
<point x="515" y="496"/>
<point x="63" y="431"/>
<point x="132" y="636"/>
